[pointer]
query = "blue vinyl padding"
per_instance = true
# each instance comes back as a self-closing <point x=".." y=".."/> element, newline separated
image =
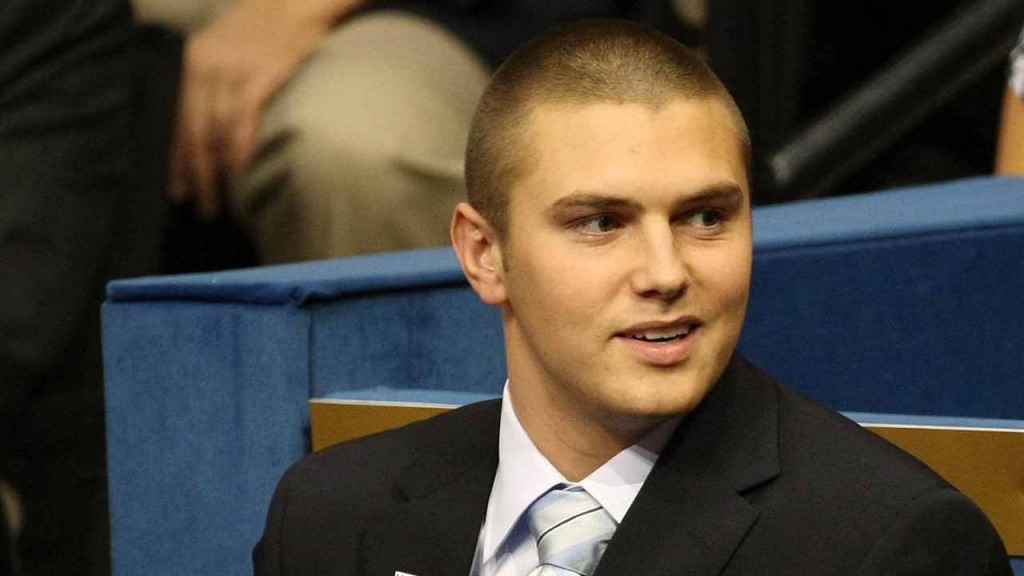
<point x="204" y="414"/>
<point x="298" y="283"/>
<point x="921" y="325"/>
<point x="939" y="421"/>
<point x="412" y="395"/>
<point x="902" y="302"/>
<point x="438" y="339"/>
<point x="983" y="202"/>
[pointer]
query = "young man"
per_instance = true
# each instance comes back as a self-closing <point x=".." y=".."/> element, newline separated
<point x="609" y="218"/>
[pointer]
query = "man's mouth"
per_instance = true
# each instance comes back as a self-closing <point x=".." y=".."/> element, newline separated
<point x="662" y="331"/>
<point x="662" y="343"/>
<point x="661" y="335"/>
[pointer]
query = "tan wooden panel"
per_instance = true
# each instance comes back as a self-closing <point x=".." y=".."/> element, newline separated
<point x="335" y="421"/>
<point x="987" y="465"/>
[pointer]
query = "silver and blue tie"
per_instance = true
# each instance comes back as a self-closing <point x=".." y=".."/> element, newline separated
<point x="572" y="531"/>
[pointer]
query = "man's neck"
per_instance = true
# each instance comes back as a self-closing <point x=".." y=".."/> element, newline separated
<point x="576" y="447"/>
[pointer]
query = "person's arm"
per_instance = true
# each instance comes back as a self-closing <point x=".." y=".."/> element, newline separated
<point x="1010" y="150"/>
<point x="231" y="69"/>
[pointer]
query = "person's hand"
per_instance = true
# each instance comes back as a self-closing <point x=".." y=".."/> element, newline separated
<point x="230" y="70"/>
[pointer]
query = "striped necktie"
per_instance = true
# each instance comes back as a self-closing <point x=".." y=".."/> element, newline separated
<point x="572" y="531"/>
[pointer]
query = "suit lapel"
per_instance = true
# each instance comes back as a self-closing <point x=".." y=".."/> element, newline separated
<point x="691" y="515"/>
<point x="441" y="500"/>
<point x="688" y="519"/>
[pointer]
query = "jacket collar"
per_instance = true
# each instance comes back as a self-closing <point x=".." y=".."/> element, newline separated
<point x="694" y="496"/>
<point x="441" y="499"/>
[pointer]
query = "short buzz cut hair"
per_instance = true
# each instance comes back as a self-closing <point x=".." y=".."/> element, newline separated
<point x="584" y="62"/>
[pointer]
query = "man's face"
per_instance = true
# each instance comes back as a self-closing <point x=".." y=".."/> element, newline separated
<point x="626" y="264"/>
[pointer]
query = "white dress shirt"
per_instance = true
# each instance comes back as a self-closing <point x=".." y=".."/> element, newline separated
<point x="505" y="546"/>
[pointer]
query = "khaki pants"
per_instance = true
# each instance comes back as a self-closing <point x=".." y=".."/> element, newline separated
<point x="362" y="150"/>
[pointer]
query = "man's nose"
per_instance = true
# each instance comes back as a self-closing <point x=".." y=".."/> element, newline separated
<point x="660" y="270"/>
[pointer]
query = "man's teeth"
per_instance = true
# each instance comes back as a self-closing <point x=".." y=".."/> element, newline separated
<point x="662" y="334"/>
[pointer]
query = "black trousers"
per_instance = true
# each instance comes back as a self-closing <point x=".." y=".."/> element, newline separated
<point x="85" y="108"/>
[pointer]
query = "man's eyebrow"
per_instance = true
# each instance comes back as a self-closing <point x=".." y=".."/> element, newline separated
<point x="725" y="192"/>
<point x="593" y="201"/>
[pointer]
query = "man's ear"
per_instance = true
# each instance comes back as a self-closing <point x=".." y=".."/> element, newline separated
<point x="477" y="246"/>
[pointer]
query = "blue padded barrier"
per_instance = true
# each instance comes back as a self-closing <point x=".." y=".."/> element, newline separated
<point x="208" y="378"/>
<point x="898" y="302"/>
<point x="413" y="395"/>
<point x="441" y="338"/>
<point x="206" y="407"/>
<point x="929" y="324"/>
<point x="299" y="283"/>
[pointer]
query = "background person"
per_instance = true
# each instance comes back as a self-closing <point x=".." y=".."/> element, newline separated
<point x="337" y="127"/>
<point x="74" y="213"/>
<point x="1010" y="150"/>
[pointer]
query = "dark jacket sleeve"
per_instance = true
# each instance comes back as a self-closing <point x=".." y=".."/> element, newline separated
<point x="939" y="533"/>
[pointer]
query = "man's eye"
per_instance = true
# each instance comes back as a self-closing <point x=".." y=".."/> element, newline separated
<point x="599" y="224"/>
<point x="709" y="218"/>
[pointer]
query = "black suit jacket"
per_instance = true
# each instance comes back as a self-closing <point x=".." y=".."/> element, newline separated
<point x="757" y="480"/>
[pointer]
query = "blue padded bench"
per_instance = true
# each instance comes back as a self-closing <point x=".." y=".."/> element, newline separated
<point x="901" y="302"/>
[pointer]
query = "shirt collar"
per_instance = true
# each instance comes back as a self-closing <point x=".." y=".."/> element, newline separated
<point x="524" y="474"/>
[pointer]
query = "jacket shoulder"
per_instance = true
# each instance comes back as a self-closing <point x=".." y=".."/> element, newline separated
<point x="325" y="500"/>
<point x="366" y="466"/>
<point x="848" y="499"/>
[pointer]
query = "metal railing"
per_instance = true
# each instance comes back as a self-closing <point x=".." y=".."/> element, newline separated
<point x="889" y="105"/>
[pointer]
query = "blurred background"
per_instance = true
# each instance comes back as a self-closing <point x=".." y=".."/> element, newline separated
<point x="841" y="98"/>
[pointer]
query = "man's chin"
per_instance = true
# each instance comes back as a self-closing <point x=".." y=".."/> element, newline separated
<point x="649" y="410"/>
